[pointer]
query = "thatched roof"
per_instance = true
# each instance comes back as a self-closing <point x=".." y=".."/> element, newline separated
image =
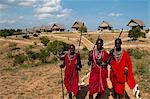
<point x="46" y="27"/>
<point x="78" y="24"/>
<point x="105" y="24"/>
<point x="57" y="26"/>
<point x="135" y="22"/>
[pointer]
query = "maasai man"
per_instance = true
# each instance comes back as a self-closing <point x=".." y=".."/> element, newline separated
<point x="98" y="74"/>
<point x="73" y="65"/>
<point x="121" y="70"/>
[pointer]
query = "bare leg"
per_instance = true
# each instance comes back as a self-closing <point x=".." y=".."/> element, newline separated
<point x="90" y="96"/>
<point x="119" y="96"/>
<point x="70" y="96"/>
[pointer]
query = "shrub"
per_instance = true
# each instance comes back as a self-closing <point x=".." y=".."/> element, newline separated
<point x="84" y="54"/>
<point x="85" y="49"/>
<point x="83" y="29"/>
<point x="136" y="33"/>
<point x="57" y="47"/>
<point x="19" y="59"/>
<point x="147" y="30"/>
<point x="43" y="54"/>
<point x="24" y="65"/>
<point x="141" y="67"/>
<point x="45" y="40"/>
<point x="32" y="55"/>
<point x="137" y="53"/>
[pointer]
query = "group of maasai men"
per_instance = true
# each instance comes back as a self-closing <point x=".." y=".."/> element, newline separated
<point x="121" y="70"/>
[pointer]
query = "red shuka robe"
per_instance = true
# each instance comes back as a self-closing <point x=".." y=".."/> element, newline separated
<point x="98" y="74"/>
<point x="71" y="76"/>
<point x="117" y="73"/>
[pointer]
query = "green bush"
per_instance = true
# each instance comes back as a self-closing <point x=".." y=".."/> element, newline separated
<point x="43" y="54"/>
<point x="7" y="32"/>
<point x="57" y="47"/>
<point x="136" y="33"/>
<point x="141" y="67"/>
<point x="32" y="55"/>
<point x="84" y="54"/>
<point x="147" y="30"/>
<point x="45" y="40"/>
<point x="85" y="49"/>
<point x="83" y="29"/>
<point x="24" y="65"/>
<point x="137" y="53"/>
<point x="19" y="59"/>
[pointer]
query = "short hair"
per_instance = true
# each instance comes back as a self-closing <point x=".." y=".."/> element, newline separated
<point x="99" y="39"/>
<point x="118" y="39"/>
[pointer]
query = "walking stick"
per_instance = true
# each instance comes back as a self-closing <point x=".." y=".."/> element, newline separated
<point x="62" y="85"/>
<point x="61" y="75"/>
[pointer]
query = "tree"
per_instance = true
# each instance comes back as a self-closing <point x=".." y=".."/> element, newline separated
<point x="57" y="47"/>
<point x="43" y="54"/>
<point x="136" y="33"/>
<point x="45" y="40"/>
<point x="18" y="30"/>
<point x="82" y="29"/>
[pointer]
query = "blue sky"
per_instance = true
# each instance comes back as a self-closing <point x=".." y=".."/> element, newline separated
<point x="30" y="13"/>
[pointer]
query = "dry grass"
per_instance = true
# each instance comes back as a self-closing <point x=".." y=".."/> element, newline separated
<point x="44" y="81"/>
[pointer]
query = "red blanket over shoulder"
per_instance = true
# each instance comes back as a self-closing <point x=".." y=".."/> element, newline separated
<point x="71" y="76"/>
<point x="117" y="73"/>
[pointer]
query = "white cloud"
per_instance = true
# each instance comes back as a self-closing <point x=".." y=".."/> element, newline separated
<point x="43" y="16"/>
<point x="11" y="1"/>
<point x="22" y="3"/>
<point x="115" y="14"/>
<point x="43" y="8"/>
<point x="3" y="7"/>
<point x="7" y="21"/>
<point x="51" y="8"/>
<point x="26" y="3"/>
<point x="12" y="20"/>
<point x="20" y="17"/>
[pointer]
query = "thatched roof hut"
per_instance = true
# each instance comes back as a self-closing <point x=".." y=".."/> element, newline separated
<point x="77" y="25"/>
<point x="46" y="28"/>
<point x="105" y="26"/>
<point x="57" y="27"/>
<point x="136" y="23"/>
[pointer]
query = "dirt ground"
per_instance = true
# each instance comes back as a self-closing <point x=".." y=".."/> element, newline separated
<point x="43" y="81"/>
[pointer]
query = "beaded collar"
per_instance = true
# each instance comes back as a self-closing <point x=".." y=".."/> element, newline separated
<point x="118" y="55"/>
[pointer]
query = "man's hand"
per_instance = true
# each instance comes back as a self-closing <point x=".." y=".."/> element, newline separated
<point x="78" y="67"/>
<point x="111" y="52"/>
<point x="61" y="65"/>
<point x="89" y="63"/>
<point x="126" y="71"/>
<point x="136" y="91"/>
